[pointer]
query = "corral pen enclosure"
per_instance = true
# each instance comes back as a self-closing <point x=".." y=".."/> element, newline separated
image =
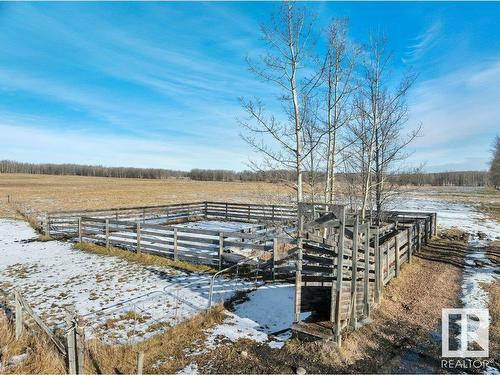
<point x="338" y="262"/>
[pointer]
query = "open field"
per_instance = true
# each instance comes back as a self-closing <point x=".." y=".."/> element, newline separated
<point x="58" y="193"/>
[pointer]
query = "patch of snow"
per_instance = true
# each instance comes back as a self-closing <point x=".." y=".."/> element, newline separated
<point x="266" y="310"/>
<point x="191" y="369"/>
<point x="478" y="270"/>
<point x="215" y="225"/>
<point x="119" y="300"/>
<point x="451" y="215"/>
<point x="17" y="359"/>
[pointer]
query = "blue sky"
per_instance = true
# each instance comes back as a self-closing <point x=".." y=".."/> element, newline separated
<point x="157" y="84"/>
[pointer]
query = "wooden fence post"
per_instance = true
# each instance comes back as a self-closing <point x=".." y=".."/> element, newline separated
<point x="426" y="230"/>
<point x="410" y="245"/>
<point x="221" y="248"/>
<point x="435" y="224"/>
<point x="19" y="315"/>
<point x="387" y="261"/>
<point x="71" y="344"/>
<point x="354" y="273"/>
<point x="106" y="229"/>
<point x="138" y="230"/>
<point x="206" y="209"/>
<point x="366" y="292"/>
<point x="176" y="250"/>
<point x="337" y="309"/>
<point x="419" y="236"/>
<point x="226" y="211"/>
<point x="396" y="255"/>
<point x="80" y="348"/>
<point x="298" y="265"/>
<point x="272" y="213"/>
<point x="275" y="256"/>
<point x="80" y="234"/>
<point x="378" y="267"/>
<point x="140" y="362"/>
<point x="47" y="225"/>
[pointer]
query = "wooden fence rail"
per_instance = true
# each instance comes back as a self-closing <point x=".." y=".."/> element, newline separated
<point x="200" y="246"/>
<point x="65" y="223"/>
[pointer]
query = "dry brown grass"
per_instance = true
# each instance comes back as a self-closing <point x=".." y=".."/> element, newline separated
<point x="42" y="357"/>
<point x="57" y="193"/>
<point x="494" y="309"/>
<point x="142" y="258"/>
<point x="163" y="353"/>
<point x="493" y="251"/>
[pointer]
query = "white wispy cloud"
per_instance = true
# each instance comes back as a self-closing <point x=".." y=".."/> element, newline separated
<point x="460" y="115"/>
<point x="424" y="42"/>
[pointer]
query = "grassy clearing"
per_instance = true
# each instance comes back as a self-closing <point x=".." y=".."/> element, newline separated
<point x="163" y="353"/>
<point x="42" y="357"/>
<point x="142" y="258"/>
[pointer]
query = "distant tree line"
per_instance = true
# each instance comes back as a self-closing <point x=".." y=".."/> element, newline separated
<point x="465" y="178"/>
<point x="462" y="178"/>
<point x="9" y="166"/>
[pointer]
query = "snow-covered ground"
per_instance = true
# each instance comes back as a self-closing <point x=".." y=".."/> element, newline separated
<point x="451" y="215"/>
<point x="262" y="316"/>
<point x="121" y="300"/>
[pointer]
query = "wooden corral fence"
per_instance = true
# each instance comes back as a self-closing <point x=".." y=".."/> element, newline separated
<point x="202" y="246"/>
<point x="65" y="223"/>
<point x="343" y="265"/>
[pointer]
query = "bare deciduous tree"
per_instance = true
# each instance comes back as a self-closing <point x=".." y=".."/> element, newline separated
<point x="339" y="80"/>
<point x="280" y="138"/>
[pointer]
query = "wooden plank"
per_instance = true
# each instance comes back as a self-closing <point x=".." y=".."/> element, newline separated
<point x="354" y="270"/>
<point x="366" y="292"/>
<point x="176" y="250"/>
